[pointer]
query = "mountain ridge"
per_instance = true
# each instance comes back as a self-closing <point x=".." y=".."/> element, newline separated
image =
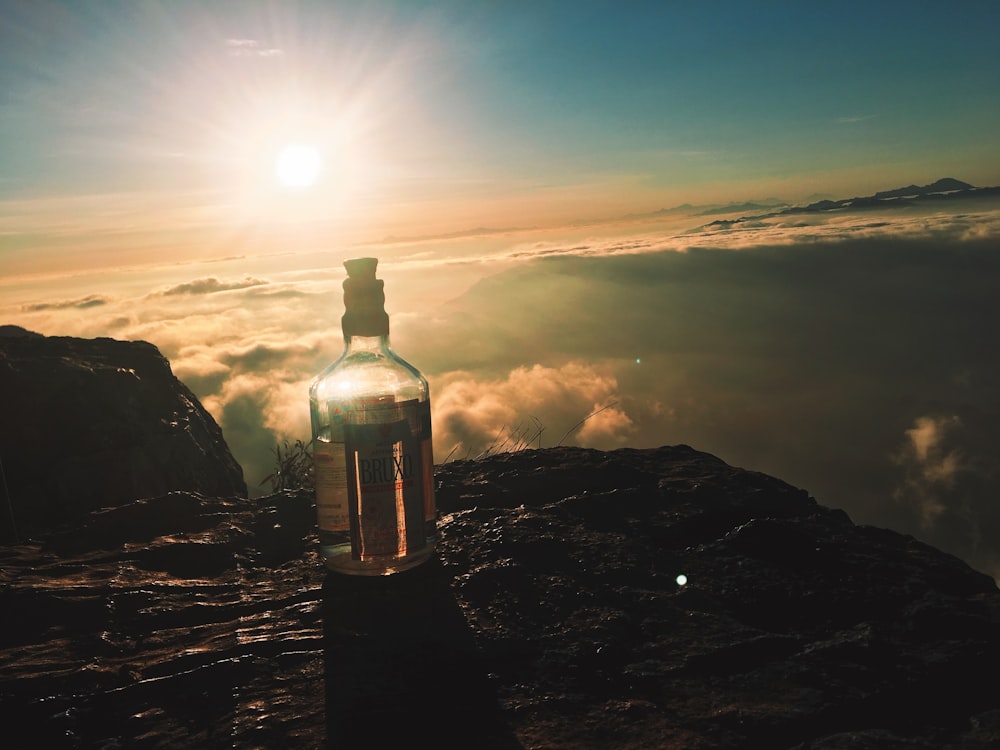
<point x="945" y="184"/>
<point x="946" y="188"/>
<point x="942" y="188"/>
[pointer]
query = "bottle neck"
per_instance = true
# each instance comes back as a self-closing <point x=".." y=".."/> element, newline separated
<point x="366" y="344"/>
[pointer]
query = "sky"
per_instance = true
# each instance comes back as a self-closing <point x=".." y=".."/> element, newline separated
<point x="515" y="166"/>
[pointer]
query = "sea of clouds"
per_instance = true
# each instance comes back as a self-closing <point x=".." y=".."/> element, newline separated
<point x="852" y="354"/>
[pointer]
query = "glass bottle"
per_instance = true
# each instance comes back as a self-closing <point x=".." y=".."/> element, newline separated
<point x="371" y="427"/>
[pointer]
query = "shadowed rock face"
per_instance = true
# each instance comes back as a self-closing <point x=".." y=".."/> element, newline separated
<point x="550" y="617"/>
<point x="89" y="423"/>
<point x="795" y="627"/>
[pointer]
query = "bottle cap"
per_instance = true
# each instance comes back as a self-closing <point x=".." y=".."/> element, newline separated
<point x="364" y="300"/>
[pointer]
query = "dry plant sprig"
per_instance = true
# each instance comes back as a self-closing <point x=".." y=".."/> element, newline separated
<point x="519" y="438"/>
<point x="579" y="424"/>
<point x="293" y="467"/>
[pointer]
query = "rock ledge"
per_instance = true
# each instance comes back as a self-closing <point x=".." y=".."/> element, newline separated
<point x="552" y="617"/>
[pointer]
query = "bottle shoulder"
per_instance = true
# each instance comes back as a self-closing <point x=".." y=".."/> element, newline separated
<point x="370" y="373"/>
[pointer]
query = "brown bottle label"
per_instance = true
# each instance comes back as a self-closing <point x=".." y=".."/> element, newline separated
<point x="386" y="486"/>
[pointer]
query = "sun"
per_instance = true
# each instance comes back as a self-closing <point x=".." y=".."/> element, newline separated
<point x="298" y="165"/>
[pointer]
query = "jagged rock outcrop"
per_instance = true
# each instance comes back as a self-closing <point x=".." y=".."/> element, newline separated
<point x="551" y="617"/>
<point x="89" y="423"/>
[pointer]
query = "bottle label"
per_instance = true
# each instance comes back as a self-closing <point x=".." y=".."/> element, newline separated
<point x="331" y="486"/>
<point x="330" y="471"/>
<point x="386" y="483"/>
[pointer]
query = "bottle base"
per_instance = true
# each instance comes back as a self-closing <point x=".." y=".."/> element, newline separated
<point x="338" y="559"/>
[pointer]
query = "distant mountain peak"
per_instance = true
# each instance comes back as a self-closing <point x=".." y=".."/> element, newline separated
<point x="944" y="185"/>
<point x="947" y="188"/>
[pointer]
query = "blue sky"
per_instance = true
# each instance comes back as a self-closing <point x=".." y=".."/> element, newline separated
<point x="694" y="92"/>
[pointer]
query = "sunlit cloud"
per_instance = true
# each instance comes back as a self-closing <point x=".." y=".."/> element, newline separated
<point x="212" y="285"/>
<point x="251" y="48"/>
<point x="258" y="411"/>
<point x="91" y="300"/>
<point x="931" y="465"/>
<point x="201" y="372"/>
<point x="748" y="233"/>
<point x="606" y="426"/>
<point x="471" y="414"/>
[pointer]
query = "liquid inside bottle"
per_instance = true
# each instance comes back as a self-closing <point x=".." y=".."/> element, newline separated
<point x="374" y="465"/>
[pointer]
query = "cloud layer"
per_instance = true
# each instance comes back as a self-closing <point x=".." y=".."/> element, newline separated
<point x="850" y="355"/>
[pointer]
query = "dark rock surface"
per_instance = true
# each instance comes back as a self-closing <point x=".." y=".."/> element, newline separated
<point x="551" y="618"/>
<point x="90" y="423"/>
